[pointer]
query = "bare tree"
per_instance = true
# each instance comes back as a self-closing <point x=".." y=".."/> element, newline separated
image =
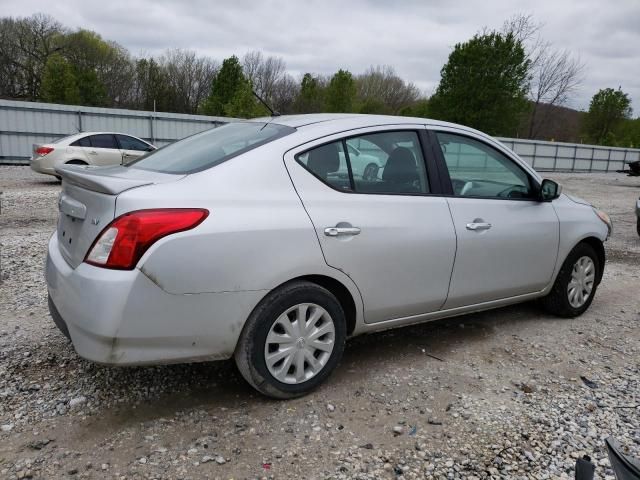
<point x="284" y="94"/>
<point x="189" y="77"/>
<point x="265" y="74"/>
<point x="554" y="74"/>
<point x="25" y="47"/>
<point x="381" y="88"/>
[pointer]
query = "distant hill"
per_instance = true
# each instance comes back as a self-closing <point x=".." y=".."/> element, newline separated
<point x="560" y="124"/>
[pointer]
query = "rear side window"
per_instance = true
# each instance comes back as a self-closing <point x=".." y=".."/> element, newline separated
<point x="129" y="143"/>
<point x="384" y="163"/>
<point x="328" y="163"/>
<point x="103" y="140"/>
<point x="82" y="142"/>
<point x="212" y="147"/>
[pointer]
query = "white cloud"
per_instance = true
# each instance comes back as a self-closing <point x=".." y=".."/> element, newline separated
<point x="323" y="35"/>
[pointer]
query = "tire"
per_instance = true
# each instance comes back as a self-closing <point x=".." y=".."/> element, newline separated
<point x="638" y="225"/>
<point x="267" y="320"/>
<point x="370" y="172"/>
<point x="558" y="300"/>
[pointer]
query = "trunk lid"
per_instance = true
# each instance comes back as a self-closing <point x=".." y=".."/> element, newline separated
<point x="87" y="203"/>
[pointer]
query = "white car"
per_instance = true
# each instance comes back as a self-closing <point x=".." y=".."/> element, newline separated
<point x="88" y="148"/>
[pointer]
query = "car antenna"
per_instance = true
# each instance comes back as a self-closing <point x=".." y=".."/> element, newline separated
<point x="273" y="112"/>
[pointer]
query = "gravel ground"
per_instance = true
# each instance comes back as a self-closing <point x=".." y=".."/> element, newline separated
<point x="510" y="393"/>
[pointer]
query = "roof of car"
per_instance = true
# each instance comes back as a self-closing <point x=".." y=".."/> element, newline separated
<point x="304" y="120"/>
<point x="75" y="136"/>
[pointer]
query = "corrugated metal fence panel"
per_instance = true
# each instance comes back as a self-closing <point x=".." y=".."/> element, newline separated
<point x="548" y="156"/>
<point x="24" y="123"/>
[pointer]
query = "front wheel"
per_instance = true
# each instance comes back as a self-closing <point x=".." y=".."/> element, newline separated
<point x="576" y="283"/>
<point x="292" y="341"/>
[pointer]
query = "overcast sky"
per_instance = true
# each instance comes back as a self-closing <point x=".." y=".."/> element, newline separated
<point x="413" y="36"/>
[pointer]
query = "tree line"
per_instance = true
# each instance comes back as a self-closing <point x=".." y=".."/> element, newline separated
<point x="506" y="82"/>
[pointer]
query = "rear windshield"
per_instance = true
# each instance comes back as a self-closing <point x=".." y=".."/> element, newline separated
<point x="212" y="147"/>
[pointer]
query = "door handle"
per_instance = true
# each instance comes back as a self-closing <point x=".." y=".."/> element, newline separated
<point x="93" y="152"/>
<point x="340" y="231"/>
<point x="478" y="226"/>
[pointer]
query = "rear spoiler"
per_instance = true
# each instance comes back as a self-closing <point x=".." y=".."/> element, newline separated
<point x="98" y="180"/>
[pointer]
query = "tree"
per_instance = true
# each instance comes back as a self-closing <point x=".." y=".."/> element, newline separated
<point x="607" y="110"/>
<point x="554" y="74"/>
<point x="25" y="47"/>
<point x="484" y="84"/>
<point x="59" y="83"/>
<point x="311" y="96"/>
<point x="189" y="77"/>
<point x="151" y="89"/>
<point x="228" y="88"/>
<point x="380" y="90"/>
<point x="341" y="92"/>
<point x="419" y="108"/>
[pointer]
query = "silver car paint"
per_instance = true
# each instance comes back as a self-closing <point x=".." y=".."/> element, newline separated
<point x="409" y="238"/>
<point x="199" y="287"/>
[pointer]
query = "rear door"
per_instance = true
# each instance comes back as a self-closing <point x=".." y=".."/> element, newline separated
<point x="507" y="239"/>
<point x="79" y="150"/>
<point x="389" y="233"/>
<point x="104" y="150"/>
<point x="132" y="148"/>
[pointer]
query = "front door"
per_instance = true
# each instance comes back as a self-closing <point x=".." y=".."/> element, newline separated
<point x="386" y="231"/>
<point x="132" y="148"/>
<point x="507" y="239"/>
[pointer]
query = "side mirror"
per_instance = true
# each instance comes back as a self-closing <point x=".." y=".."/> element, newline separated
<point x="549" y="190"/>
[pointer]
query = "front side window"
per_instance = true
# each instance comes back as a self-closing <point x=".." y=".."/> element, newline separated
<point x="383" y="163"/>
<point x="479" y="170"/>
<point x="129" y="143"/>
<point x="211" y="147"/>
<point x="103" y="141"/>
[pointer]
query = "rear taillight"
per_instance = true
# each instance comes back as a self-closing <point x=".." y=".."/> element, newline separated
<point x="125" y="240"/>
<point x="42" y="151"/>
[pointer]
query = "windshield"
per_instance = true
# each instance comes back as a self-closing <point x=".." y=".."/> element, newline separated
<point x="212" y="147"/>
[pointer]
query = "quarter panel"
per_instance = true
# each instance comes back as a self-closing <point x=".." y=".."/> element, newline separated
<point x="256" y="237"/>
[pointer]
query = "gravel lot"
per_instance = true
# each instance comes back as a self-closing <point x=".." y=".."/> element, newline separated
<point x="513" y="393"/>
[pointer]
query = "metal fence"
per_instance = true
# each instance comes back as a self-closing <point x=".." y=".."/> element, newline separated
<point x="571" y="157"/>
<point x="23" y="124"/>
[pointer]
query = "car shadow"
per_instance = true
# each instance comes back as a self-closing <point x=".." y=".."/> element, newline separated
<point x="216" y="385"/>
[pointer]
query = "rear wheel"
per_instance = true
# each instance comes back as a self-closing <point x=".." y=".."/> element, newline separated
<point x="638" y="225"/>
<point x="576" y="283"/>
<point x="292" y="341"/>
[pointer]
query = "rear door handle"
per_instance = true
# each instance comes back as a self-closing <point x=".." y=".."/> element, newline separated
<point x="340" y="231"/>
<point x="478" y="226"/>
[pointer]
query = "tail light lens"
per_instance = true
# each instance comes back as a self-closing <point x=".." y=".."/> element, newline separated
<point x="123" y="242"/>
<point x="42" y="151"/>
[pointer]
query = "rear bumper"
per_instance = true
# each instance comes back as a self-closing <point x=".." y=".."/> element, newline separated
<point x="42" y="165"/>
<point x="123" y="318"/>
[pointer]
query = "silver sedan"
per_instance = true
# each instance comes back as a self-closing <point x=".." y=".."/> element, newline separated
<point x="263" y="242"/>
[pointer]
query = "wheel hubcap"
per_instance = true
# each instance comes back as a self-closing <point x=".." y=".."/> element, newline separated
<point x="581" y="283"/>
<point x="299" y="343"/>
